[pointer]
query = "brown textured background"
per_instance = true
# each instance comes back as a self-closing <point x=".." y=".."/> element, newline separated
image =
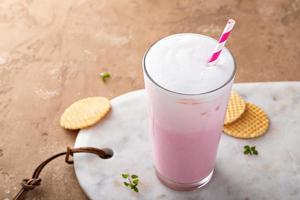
<point x="51" y="53"/>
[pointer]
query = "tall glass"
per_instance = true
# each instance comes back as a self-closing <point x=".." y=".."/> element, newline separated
<point x="185" y="130"/>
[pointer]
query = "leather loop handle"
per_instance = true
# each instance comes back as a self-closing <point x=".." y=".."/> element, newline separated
<point x="30" y="184"/>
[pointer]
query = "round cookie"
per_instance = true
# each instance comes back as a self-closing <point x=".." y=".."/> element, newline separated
<point x="253" y="123"/>
<point x="84" y="113"/>
<point x="236" y="107"/>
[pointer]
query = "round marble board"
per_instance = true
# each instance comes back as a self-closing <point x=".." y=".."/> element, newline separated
<point x="273" y="174"/>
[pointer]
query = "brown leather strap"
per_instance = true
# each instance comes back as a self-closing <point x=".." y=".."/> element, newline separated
<point x="30" y="184"/>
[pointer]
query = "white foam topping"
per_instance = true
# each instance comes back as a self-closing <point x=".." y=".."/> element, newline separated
<point x="179" y="63"/>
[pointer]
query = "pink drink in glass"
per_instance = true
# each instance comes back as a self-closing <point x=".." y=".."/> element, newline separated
<point x="187" y="104"/>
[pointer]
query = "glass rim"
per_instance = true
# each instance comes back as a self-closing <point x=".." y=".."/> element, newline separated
<point x="187" y="94"/>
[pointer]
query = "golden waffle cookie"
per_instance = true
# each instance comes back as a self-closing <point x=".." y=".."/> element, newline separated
<point x="85" y="113"/>
<point x="253" y="123"/>
<point x="236" y="107"/>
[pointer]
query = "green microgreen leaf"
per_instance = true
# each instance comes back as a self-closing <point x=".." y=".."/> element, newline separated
<point x="132" y="181"/>
<point x="104" y="76"/>
<point x="136" y="189"/>
<point x="250" y="150"/>
<point x="246" y="147"/>
<point x="135" y="181"/>
<point x="133" y="176"/>
<point x="125" y="175"/>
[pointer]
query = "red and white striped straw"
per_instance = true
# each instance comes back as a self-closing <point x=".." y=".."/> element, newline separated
<point x="221" y="43"/>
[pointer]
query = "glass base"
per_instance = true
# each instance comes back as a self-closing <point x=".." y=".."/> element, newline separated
<point x="183" y="186"/>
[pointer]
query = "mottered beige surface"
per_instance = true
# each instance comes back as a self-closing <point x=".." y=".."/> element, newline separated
<point x="52" y="51"/>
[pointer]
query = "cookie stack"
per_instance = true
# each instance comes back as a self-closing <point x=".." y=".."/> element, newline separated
<point x="243" y="119"/>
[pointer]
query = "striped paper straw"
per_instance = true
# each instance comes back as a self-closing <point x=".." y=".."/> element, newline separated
<point x="221" y="43"/>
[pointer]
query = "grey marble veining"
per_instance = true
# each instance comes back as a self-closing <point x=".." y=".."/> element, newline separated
<point x="274" y="174"/>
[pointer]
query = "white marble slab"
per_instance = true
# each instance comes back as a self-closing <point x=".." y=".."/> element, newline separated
<point x="274" y="174"/>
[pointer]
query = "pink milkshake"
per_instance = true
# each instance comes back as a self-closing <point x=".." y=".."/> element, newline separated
<point x="187" y="104"/>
